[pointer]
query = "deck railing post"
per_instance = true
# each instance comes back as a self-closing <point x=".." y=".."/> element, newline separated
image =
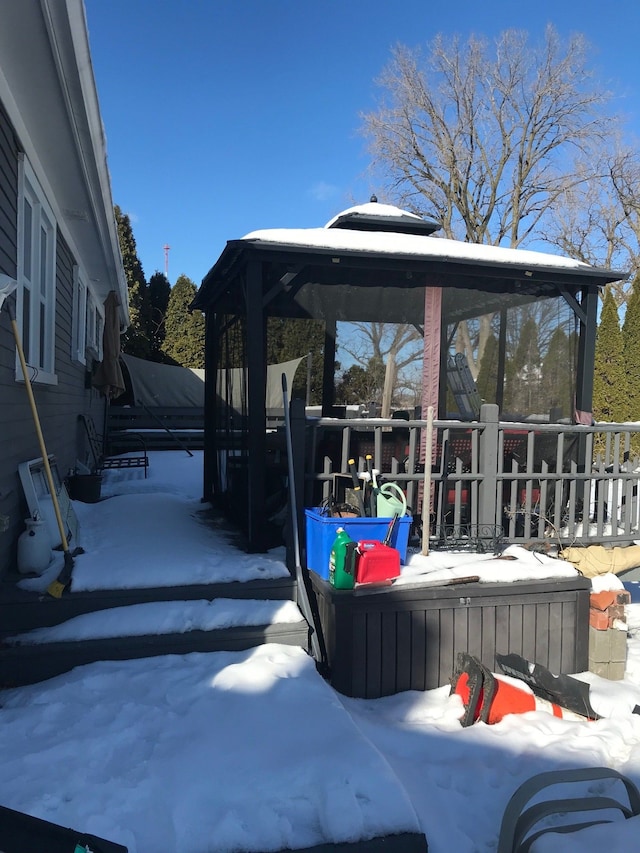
<point x="297" y="423"/>
<point x="488" y="466"/>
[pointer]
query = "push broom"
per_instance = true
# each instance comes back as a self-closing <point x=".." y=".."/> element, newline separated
<point x="56" y="587"/>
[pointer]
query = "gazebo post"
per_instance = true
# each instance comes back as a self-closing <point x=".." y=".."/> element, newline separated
<point x="328" y="367"/>
<point x="211" y="474"/>
<point x="256" y="415"/>
<point x="586" y="353"/>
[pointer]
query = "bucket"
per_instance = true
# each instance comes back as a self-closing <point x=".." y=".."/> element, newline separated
<point x="85" y="488"/>
<point x="391" y="501"/>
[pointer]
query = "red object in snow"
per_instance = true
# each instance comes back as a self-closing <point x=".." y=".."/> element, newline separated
<point x="489" y="698"/>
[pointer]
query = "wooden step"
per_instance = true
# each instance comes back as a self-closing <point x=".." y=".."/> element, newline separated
<point x="22" y="611"/>
<point x="22" y="665"/>
<point x="40" y="654"/>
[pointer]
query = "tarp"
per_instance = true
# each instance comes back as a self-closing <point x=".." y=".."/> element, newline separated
<point x="597" y="560"/>
<point x="155" y="384"/>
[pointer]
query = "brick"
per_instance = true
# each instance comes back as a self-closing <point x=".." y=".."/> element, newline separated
<point x="602" y="600"/>
<point x="607" y="646"/>
<point x="623" y="597"/>
<point x="598" y="619"/>
<point x="612" y="671"/>
<point x="599" y="668"/>
<point x="616" y="670"/>
<point x="616" y="611"/>
<point x="618" y="646"/>
<point x="599" y="645"/>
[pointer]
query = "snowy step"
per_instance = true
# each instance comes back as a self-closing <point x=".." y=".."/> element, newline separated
<point x="148" y="630"/>
<point x="22" y="610"/>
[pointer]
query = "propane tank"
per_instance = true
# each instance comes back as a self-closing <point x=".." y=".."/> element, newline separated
<point x="341" y="561"/>
<point x="34" y="547"/>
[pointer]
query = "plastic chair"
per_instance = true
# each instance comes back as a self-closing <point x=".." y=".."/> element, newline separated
<point x="517" y="824"/>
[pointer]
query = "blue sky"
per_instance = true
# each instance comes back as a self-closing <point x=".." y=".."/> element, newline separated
<point x="225" y="116"/>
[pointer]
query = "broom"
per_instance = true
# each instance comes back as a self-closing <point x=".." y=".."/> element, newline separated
<point x="56" y="587"/>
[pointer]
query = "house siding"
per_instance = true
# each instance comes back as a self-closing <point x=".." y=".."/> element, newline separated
<point x="58" y="406"/>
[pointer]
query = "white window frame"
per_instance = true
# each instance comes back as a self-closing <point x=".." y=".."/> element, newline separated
<point x="79" y="336"/>
<point x="36" y="273"/>
<point x="88" y="320"/>
<point x="94" y="326"/>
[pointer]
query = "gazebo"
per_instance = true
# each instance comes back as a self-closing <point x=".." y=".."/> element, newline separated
<point x="372" y="263"/>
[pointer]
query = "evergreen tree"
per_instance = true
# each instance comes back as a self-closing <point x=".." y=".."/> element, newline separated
<point x="487" y="381"/>
<point x="631" y="349"/>
<point x="360" y="385"/>
<point x="290" y="338"/>
<point x="159" y="292"/>
<point x="610" y="386"/>
<point x="137" y="339"/>
<point x="184" y="330"/>
<point x="522" y="391"/>
<point x="558" y="374"/>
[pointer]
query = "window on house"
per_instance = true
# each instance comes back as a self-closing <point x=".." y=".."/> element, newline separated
<point x="95" y="325"/>
<point x="88" y="320"/>
<point x="79" y="338"/>
<point x="35" y="307"/>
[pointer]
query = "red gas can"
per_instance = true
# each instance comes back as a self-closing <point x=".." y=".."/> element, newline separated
<point x="376" y="562"/>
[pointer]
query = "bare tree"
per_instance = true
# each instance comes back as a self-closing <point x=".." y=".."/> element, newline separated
<point x="599" y="222"/>
<point x="394" y="345"/>
<point x="506" y="143"/>
<point x="487" y="139"/>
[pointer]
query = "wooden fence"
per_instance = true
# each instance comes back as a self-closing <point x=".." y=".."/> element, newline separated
<point x="518" y="482"/>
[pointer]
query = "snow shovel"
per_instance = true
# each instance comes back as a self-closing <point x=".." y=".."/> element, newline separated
<point x="56" y="587"/>
<point x="305" y="604"/>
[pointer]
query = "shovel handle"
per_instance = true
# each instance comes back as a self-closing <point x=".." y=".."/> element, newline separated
<point x="356" y="486"/>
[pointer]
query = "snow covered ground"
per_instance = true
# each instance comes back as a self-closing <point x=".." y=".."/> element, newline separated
<point x="254" y="751"/>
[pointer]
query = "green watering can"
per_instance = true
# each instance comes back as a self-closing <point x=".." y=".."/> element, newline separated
<point x="391" y="501"/>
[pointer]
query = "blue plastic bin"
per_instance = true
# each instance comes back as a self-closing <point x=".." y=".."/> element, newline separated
<point x="321" y="531"/>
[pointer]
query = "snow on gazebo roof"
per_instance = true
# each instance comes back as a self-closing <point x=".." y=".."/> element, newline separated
<point x="382" y="217"/>
<point x="340" y="239"/>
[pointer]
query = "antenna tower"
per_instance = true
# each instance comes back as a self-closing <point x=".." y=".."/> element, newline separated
<point x="166" y="261"/>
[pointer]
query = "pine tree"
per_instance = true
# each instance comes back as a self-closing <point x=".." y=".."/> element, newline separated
<point x="159" y="292"/>
<point x="360" y="385"/>
<point x="631" y="349"/>
<point x="610" y="385"/>
<point x="137" y="339"/>
<point x="522" y="391"/>
<point x="184" y="330"/>
<point x="290" y="338"/>
<point x="558" y="374"/>
<point x="487" y="381"/>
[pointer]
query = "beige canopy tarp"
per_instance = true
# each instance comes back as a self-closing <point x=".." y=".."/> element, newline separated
<point x="597" y="560"/>
<point x="155" y="384"/>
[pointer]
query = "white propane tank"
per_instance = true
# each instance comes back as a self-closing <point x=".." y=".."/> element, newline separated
<point x="34" y="547"/>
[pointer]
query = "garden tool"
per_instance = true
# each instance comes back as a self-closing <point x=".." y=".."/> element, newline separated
<point x="56" y="587"/>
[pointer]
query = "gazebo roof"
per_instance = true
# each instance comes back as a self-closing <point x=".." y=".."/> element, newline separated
<point x="309" y="264"/>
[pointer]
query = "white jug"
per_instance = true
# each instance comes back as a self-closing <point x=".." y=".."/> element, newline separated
<point x="34" y="547"/>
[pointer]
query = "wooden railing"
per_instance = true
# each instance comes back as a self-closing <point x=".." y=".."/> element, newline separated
<point x="521" y="482"/>
<point x="162" y="427"/>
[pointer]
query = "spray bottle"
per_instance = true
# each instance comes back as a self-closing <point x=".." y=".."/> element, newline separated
<point x="342" y="561"/>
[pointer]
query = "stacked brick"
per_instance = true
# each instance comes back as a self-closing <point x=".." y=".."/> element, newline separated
<point x="608" y="633"/>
